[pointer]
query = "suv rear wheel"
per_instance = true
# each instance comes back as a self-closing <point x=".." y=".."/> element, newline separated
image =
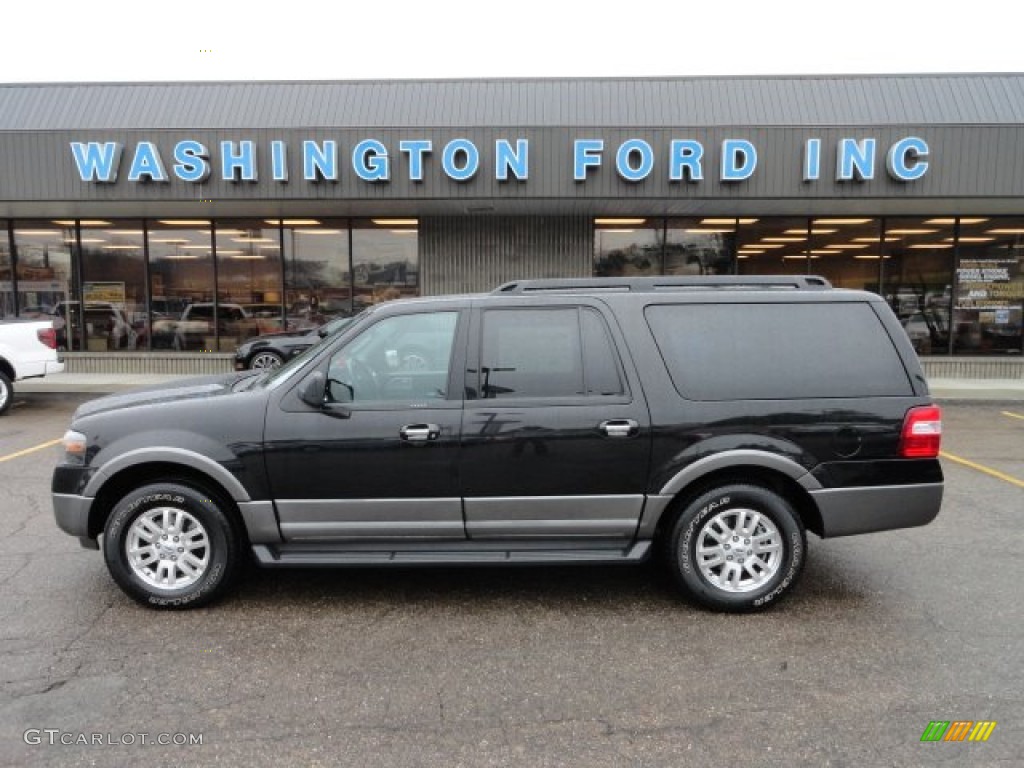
<point x="737" y="547"/>
<point x="170" y="545"/>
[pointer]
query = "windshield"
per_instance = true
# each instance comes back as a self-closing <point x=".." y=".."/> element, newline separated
<point x="286" y="371"/>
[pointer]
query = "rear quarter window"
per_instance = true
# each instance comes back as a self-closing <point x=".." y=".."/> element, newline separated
<point x="777" y="351"/>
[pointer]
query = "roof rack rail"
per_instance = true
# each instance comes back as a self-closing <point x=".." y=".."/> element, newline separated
<point x="670" y="283"/>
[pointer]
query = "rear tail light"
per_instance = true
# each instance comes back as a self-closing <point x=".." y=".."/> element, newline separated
<point x="922" y="433"/>
<point x="48" y="336"/>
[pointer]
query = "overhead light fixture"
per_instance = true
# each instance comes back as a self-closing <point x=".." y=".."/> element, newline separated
<point x="794" y="256"/>
<point x="768" y="245"/>
<point x="186" y="222"/>
<point x="783" y="239"/>
<point x="910" y="231"/>
<point x="750" y="251"/>
<point x="293" y="222"/>
<point x="224" y="231"/>
<point x="611" y="222"/>
<point x="813" y="231"/>
<point x="875" y="239"/>
<point x="871" y="256"/>
<point x="618" y="231"/>
<point x="169" y="240"/>
<point x="395" y="222"/>
<point x="971" y="239"/>
<point x="1005" y="231"/>
<point x="196" y="247"/>
<point x="39" y="232"/>
<point x="951" y="222"/>
<point x="229" y="252"/>
<point x="124" y="232"/>
<point x="252" y="240"/>
<point x="83" y="222"/>
<point x="403" y="231"/>
<point x="845" y="246"/>
<point x="930" y="246"/>
<point x="710" y="231"/>
<point x="318" y="231"/>
<point x="843" y="222"/>
<point x="820" y="252"/>
<point x="728" y="221"/>
<point x="86" y="240"/>
<point x="742" y="256"/>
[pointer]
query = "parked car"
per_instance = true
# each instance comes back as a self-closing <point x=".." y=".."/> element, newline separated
<point x="28" y="349"/>
<point x="552" y="421"/>
<point x="272" y="349"/>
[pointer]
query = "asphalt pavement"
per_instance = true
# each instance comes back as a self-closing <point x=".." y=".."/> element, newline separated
<point x="588" y="666"/>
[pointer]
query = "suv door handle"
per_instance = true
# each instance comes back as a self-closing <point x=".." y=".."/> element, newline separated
<point x="419" y="433"/>
<point x="619" y="428"/>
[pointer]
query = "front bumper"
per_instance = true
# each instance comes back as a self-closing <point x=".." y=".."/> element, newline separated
<point x="72" y="514"/>
<point x="848" y="511"/>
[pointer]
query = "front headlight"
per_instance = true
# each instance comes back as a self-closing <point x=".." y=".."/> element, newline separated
<point x="75" y="444"/>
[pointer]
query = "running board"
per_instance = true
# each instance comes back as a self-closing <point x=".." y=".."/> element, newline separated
<point x="284" y="555"/>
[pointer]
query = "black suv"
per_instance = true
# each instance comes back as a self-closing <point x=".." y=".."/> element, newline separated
<point x="551" y="421"/>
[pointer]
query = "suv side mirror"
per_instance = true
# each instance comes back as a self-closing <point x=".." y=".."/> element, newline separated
<point x="311" y="391"/>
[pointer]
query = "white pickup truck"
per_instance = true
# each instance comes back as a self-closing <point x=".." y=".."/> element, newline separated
<point x="28" y="349"/>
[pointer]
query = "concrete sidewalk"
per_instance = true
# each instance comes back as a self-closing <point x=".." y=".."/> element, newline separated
<point x="101" y="383"/>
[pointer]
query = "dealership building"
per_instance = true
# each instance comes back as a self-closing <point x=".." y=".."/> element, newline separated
<point x="162" y="206"/>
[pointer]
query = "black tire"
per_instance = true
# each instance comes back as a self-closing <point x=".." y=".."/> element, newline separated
<point x="756" y="575"/>
<point x="221" y="556"/>
<point x="6" y="393"/>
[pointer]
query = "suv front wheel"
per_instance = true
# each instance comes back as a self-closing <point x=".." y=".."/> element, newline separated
<point x="170" y="545"/>
<point x="737" y="547"/>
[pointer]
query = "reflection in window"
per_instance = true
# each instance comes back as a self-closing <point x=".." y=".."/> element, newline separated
<point x="249" y="278"/>
<point x="776" y="246"/>
<point x="6" y="276"/>
<point x="43" y="255"/>
<point x="317" y="272"/>
<point x="990" y="286"/>
<point x="628" y="247"/>
<point x="113" y="286"/>
<point x="918" y="279"/>
<point x="385" y="260"/>
<point x="700" y="246"/>
<point x="182" y="285"/>
<point x="531" y="353"/>
<point x="405" y="358"/>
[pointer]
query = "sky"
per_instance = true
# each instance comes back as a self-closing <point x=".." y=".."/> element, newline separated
<point x="114" y="40"/>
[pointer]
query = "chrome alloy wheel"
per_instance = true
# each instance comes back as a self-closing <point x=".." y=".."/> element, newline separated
<point x="739" y="550"/>
<point x="167" y="548"/>
<point x="265" y="360"/>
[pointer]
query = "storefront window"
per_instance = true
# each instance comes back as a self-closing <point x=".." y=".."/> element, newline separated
<point x="700" y="246"/>
<point x="628" y="247"/>
<point x="990" y="286"/>
<point x="113" y="287"/>
<point x="43" y="255"/>
<point x="182" y="285"/>
<point x="918" y="270"/>
<point x="317" y="271"/>
<point x="6" y="276"/>
<point x="385" y="260"/>
<point x="776" y="246"/>
<point x="847" y="251"/>
<point x="248" y="279"/>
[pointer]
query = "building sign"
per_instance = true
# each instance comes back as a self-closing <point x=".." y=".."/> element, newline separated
<point x="461" y="159"/>
<point x="108" y="293"/>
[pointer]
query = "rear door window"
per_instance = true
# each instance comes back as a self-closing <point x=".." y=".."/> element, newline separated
<point x="777" y="351"/>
